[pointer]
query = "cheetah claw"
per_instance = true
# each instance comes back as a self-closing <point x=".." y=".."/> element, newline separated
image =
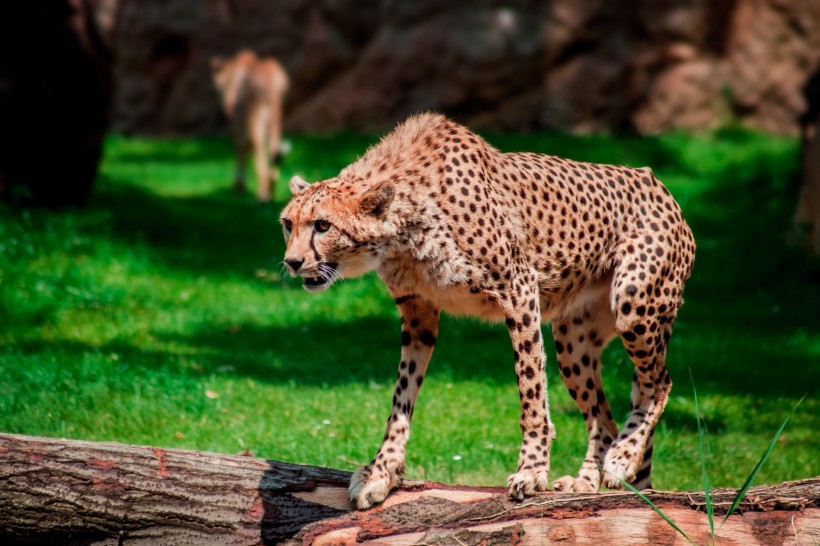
<point x="526" y="483"/>
<point x="574" y="485"/>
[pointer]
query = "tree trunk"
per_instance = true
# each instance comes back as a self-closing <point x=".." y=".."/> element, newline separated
<point x="807" y="215"/>
<point x="73" y="492"/>
<point x="55" y="92"/>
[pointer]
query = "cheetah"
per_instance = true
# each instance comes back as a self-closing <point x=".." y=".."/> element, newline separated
<point x="252" y="90"/>
<point x="451" y="224"/>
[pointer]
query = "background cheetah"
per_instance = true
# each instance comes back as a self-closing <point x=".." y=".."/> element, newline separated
<point x="450" y="223"/>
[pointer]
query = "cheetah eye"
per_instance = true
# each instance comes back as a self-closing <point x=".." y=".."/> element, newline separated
<point x="321" y="226"/>
<point x="287" y="224"/>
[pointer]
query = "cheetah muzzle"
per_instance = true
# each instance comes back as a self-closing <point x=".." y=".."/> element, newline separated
<point x="451" y="224"/>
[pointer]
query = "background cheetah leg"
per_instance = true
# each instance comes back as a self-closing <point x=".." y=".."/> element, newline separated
<point x="371" y="483"/>
<point x="524" y="325"/>
<point x="261" y="158"/>
<point x="579" y="341"/>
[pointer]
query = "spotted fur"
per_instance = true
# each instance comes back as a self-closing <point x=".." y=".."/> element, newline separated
<point x="451" y="224"/>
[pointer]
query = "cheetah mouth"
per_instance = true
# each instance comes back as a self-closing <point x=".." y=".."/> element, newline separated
<point x="322" y="277"/>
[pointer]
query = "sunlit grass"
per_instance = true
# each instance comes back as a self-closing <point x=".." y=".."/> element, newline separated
<point x="159" y="315"/>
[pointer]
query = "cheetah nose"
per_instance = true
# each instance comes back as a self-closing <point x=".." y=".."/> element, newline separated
<point x="294" y="266"/>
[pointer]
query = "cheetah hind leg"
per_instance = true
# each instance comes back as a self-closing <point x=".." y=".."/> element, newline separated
<point x="650" y="392"/>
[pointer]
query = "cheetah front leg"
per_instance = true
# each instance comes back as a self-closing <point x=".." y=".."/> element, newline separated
<point x="524" y="325"/>
<point x="371" y="484"/>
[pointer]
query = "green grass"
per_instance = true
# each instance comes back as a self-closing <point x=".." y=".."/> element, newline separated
<point x="118" y="321"/>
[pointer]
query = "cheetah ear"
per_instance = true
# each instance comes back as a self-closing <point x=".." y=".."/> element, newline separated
<point x="297" y="184"/>
<point x="377" y="199"/>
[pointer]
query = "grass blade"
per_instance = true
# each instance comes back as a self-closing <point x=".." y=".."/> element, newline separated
<point x="707" y="487"/>
<point x="651" y="504"/>
<point x="753" y="475"/>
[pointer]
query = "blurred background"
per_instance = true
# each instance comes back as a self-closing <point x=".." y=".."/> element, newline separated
<point x="153" y="309"/>
<point x="648" y="66"/>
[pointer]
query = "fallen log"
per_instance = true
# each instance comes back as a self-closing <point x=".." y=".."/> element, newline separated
<point x="73" y="492"/>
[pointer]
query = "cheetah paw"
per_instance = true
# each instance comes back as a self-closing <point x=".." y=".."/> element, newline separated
<point x="619" y="465"/>
<point x="368" y="488"/>
<point x="574" y="485"/>
<point x="526" y="482"/>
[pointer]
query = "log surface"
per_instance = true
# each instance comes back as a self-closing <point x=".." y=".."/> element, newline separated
<point x="74" y="492"/>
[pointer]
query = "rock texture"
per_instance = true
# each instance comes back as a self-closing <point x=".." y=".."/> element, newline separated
<point x="599" y="65"/>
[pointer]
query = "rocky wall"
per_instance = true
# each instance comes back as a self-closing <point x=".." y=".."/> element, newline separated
<point x="599" y="65"/>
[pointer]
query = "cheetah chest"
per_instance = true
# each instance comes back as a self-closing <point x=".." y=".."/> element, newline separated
<point x="455" y="298"/>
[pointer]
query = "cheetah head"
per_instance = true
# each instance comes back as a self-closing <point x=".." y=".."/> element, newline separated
<point x="333" y="232"/>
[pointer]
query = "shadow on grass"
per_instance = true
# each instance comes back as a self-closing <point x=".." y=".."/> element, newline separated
<point x="216" y="234"/>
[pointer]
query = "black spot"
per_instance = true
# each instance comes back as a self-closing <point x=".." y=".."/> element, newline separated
<point x="631" y="289"/>
<point x="626" y="308"/>
<point x="412" y="369"/>
<point x="403" y="382"/>
<point x="405" y="338"/>
<point x="428" y="338"/>
<point x="559" y="347"/>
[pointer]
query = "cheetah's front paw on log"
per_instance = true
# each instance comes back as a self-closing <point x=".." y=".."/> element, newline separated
<point x="369" y="486"/>
<point x="525" y="483"/>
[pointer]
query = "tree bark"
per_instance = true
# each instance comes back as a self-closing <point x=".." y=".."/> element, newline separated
<point x="73" y="492"/>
